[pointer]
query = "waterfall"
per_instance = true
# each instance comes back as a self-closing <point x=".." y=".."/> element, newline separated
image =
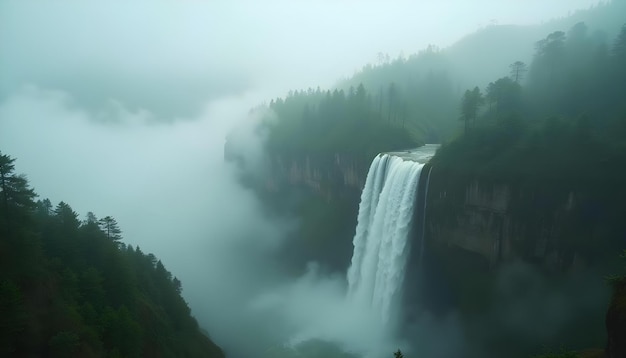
<point x="381" y="242"/>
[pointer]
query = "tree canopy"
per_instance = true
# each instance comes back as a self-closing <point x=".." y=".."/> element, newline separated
<point x="72" y="288"/>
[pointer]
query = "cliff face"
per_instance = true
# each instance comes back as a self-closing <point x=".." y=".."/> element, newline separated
<point x="329" y="178"/>
<point x="504" y="222"/>
<point x="323" y="194"/>
<point x="497" y="222"/>
<point x="616" y="321"/>
<point x="494" y="250"/>
<point x="481" y="225"/>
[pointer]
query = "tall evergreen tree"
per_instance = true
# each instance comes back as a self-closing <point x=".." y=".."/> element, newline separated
<point x="619" y="47"/>
<point x="16" y="195"/>
<point x="68" y="218"/>
<point x="111" y="229"/>
<point x="549" y="56"/>
<point x="518" y="70"/>
<point x="472" y="100"/>
<point x="505" y="94"/>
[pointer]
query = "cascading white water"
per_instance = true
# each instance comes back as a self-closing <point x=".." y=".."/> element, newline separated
<point x="381" y="244"/>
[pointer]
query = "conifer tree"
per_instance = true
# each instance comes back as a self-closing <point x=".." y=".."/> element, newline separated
<point x="110" y="227"/>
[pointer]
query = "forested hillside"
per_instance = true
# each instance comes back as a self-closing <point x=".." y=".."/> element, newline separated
<point x="406" y="101"/>
<point x="559" y="99"/>
<point x="427" y="86"/>
<point x="545" y="151"/>
<point x="322" y="124"/>
<point x="71" y="288"/>
<point x="323" y="142"/>
<point x="569" y="111"/>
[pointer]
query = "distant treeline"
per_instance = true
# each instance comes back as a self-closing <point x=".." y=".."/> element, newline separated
<point x="409" y="101"/>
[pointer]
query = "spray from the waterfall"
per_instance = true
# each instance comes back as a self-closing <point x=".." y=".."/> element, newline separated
<point x="381" y="244"/>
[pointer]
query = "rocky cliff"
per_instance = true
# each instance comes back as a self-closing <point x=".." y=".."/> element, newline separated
<point x="323" y="195"/>
<point x="329" y="178"/>
<point x="616" y="321"/>
<point x="499" y="252"/>
<point x="506" y="222"/>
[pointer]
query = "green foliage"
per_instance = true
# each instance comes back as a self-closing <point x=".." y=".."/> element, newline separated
<point x="16" y="196"/>
<point x="574" y="74"/>
<point x="560" y="138"/>
<point x="339" y="133"/>
<point x="64" y="344"/>
<point x="13" y="317"/>
<point x="70" y="288"/>
<point x="518" y="70"/>
<point x="562" y="353"/>
<point x="504" y="97"/>
<point x="110" y="227"/>
<point x="544" y="165"/>
<point x="322" y="124"/>
<point x="421" y="86"/>
<point x="470" y="104"/>
<point x="557" y="158"/>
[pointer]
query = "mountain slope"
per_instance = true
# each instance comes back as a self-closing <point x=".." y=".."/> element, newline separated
<point x="71" y="288"/>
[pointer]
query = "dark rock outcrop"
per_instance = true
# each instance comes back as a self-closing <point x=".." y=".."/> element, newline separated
<point x="506" y="222"/>
<point x="328" y="178"/>
<point x="616" y="321"/>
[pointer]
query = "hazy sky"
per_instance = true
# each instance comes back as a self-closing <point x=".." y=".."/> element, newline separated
<point x="115" y="61"/>
<point x="166" y="54"/>
<point x="81" y="81"/>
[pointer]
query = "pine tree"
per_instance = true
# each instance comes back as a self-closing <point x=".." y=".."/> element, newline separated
<point x="472" y="100"/>
<point x="16" y="195"/>
<point x="67" y="216"/>
<point x="619" y="47"/>
<point x="518" y="69"/>
<point x="110" y="228"/>
<point x="91" y="219"/>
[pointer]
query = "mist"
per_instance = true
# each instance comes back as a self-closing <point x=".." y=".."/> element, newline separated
<point x="172" y="57"/>
<point x="123" y="109"/>
<point x="176" y="197"/>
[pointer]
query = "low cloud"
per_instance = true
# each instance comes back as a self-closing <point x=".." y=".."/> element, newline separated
<point x="170" y="56"/>
<point x="168" y="186"/>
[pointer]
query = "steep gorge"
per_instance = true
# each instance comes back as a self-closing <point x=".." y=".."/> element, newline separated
<point x="479" y="233"/>
<point x="499" y="222"/>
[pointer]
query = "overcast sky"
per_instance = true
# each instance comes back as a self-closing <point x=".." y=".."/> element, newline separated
<point x="144" y="52"/>
<point x="82" y="81"/>
<point x="64" y="63"/>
